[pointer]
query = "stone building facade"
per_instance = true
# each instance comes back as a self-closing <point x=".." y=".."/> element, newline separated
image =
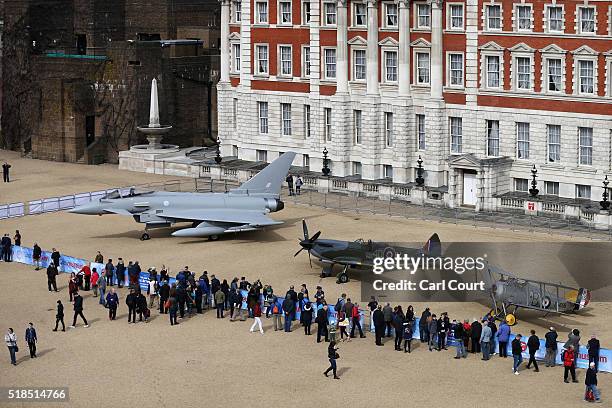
<point x="480" y="90"/>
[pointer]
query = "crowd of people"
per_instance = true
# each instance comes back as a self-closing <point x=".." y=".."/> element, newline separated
<point x="186" y="295"/>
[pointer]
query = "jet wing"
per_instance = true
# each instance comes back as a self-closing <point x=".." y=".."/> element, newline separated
<point x="251" y="218"/>
<point x="119" y="211"/>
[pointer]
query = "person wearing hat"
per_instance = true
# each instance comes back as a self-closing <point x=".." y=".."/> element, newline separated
<point x="590" y="380"/>
<point x="551" y="347"/>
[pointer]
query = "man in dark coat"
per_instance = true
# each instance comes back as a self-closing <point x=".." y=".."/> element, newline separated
<point x="533" y="344"/>
<point x="6" y="248"/>
<point x="5" y="172"/>
<point x="51" y="280"/>
<point x="130" y="301"/>
<point x="120" y="272"/>
<point x="551" y="347"/>
<point x="289" y="311"/>
<point x="164" y="294"/>
<point x="322" y="320"/>
<point x="593" y="347"/>
<point x="59" y="316"/>
<point x="109" y="270"/>
<point x="423" y="330"/>
<point x="55" y="257"/>
<point x="476" y="332"/>
<point x="31" y="339"/>
<point x="78" y="310"/>
<point x="36" y="255"/>
<point x="590" y="380"/>
<point x="379" y="325"/>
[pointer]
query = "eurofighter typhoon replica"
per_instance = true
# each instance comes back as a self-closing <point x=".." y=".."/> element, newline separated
<point x="245" y="208"/>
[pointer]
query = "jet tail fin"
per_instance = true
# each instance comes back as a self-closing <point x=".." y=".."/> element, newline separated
<point x="270" y="179"/>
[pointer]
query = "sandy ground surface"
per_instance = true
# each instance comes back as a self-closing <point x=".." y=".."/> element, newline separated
<point x="209" y="360"/>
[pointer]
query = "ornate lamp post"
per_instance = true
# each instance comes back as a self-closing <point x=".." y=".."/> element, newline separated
<point x="534" y="184"/>
<point x="604" y="203"/>
<point x="218" y="158"/>
<point x="419" y="179"/>
<point x="326" y="170"/>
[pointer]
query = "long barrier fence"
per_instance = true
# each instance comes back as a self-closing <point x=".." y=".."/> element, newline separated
<point x="70" y="264"/>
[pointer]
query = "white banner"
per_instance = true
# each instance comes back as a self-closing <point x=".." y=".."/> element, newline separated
<point x="16" y="210"/>
<point x="4" y="211"/>
<point x="66" y="202"/>
<point x="35" y="207"/>
<point x="83" y="198"/>
<point x="50" y="204"/>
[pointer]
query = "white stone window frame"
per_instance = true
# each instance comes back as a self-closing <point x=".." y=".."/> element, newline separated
<point x="608" y="59"/>
<point x="279" y="62"/>
<point x="282" y="119"/>
<point x="415" y="24"/>
<point x="420" y="46"/>
<point x="257" y="16"/>
<point x="303" y="73"/>
<point x="548" y="142"/>
<point x="485" y="17"/>
<point x="328" y="127"/>
<point x="388" y="44"/>
<point x="449" y="25"/>
<point x="233" y="68"/>
<point x="324" y="14"/>
<point x="448" y="69"/>
<point x="518" y="142"/>
<point x="417" y="119"/>
<point x="450" y="135"/>
<point x="357" y="130"/>
<point x="584" y="53"/>
<point x="547" y="22"/>
<point x="256" y="71"/>
<point x="552" y="52"/>
<point x="578" y="19"/>
<point x="384" y="24"/>
<point x="580" y="146"/>
<point x="522" y="50"/>
<point x="303" y="13"/>
<point x="488" y="140"/>
<point x="491" y="49"/>
<point x="354" y="14"/>
<point x="307" y="116"/>
<point x="279" y="22"/>
<point x="515" y="18"/>
<point x="389" y="142"/>
<point x="236" y="11"/>
<point x="259" y="117"/>
<point x="324" y="64"/>
<point x="353" y="49"/>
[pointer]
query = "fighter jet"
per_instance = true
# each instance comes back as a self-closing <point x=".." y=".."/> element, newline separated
<point x="245" y="208"/>
<point x="357" y="254"/>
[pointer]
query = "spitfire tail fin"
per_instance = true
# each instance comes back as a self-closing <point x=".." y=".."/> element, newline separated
<point x="433" y="247"/>
<point x="268" y="182"/>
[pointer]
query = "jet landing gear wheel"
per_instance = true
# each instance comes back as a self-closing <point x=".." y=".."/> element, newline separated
<point x="510" y="319"/>
<point x="145" y="237"/>
<point x="342" y="278"/>
<point x="213" y="237"/>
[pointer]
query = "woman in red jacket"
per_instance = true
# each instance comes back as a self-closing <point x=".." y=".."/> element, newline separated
<point x="257" y="318"/>
<point x="569" y="363"/>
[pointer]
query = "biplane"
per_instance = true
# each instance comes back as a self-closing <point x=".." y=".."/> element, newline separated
<point x="509" y="293"/>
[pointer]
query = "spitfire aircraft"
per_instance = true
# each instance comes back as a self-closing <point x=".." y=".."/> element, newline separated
<point x="357" y="254"/>
<point x="508" y="291"/>
<point x="245" y="208"/>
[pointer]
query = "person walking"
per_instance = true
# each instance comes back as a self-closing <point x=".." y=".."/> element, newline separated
<point x="220" y="303"/>
<point x="78" y="310"/>
<point x="379" y="325"/>
<point x="533" y="344"/>
<point x="102" y="282"/>
<point x="6" y="168"/>
<point x="36" y="255"/>
<point x="31" y="339"/>
<point x="332" y="355"/>
<point x="551" y="347"/>
<point x="59" y="316"/>
<point x="593" y="348"/>
<point x="52" y="277"/>
<point x="590" y="380"/>
<point x="568" y="357"/>
<point x="10" y="338"/>
<point x="356" y="320"/>
<point x="485" y="339"/>
<point x="130" y="301"/>
<point x="407" y="332"/>
<point x="112" y="302"/>
<point x="322" y="320"/>
<point x="517" y="353"/>
<point x="257" y="318"/>
<point x="306" y="318"/>
<point x="503" y="336"/>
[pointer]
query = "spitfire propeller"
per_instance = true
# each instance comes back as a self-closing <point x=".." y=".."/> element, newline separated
<point x="308" y="242"/>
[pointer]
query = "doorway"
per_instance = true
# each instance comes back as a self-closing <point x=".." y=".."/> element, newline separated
<point x="469" y="188"/>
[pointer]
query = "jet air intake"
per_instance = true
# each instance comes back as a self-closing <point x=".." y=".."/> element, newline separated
<point x="274" y="204"/>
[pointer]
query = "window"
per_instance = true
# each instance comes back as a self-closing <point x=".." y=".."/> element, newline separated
<point x="262" y="59"/>
<point x="330" y="63"/>
<point x="586" y="18"/>
<point x="306" y="61"/>
<point x="359" y="65"/>
<point x="521" y="184"/>
<point x="236" y="59"/>
<point x="456" y="16"/>
<point x="553" y="134"/>
<point x="583" y="191"/>
<point x="423" y="16"/>
<point x="263" y="117"/>
<point x="261" y="12"/>
<point x="390" y="66"/>
<point x="330" y="13"/>
<point x="422" y="67"/>
<point x="387" y="171"/>
<point x="554" y="74"/>
<point x="262" y="155"/>
<point x="286" y="119"/>
<point x="522" y="140"/>
<point x="493" y="69"/>
<point x="306" y="160"/>
<point x="307" y="121"/>
<point x="586" y="76"/>
<point x="456" y="69"/>
<point x="235" y="112"/>
<point x="357" y="168"/>
<point x="237" y="12"/>
<point x="328" y="124"/>
<point x="555" y="19"/>
<point x="360" y="17"/>
<point x="390" y="15"/>
<point x="305" y="12"/>
<point x="235" y="151"/>
<point x="456" y="133"/>
<point x="284" y="13"/>
<point x="494" y="17"/>
<point x="492" y="138"/>
<point x="285" y="60"/>
<point x="420" y="126"/>
<point x="585" y="136"/>
<point x="389" y="129"/>
<point x="357" y="126"/>
<point x="523" y="18"/>
<point x="551" y="188"/>
<point x="523" y="72"/>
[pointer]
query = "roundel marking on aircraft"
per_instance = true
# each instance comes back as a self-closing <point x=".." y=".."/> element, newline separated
<point x="166" y="203"/>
